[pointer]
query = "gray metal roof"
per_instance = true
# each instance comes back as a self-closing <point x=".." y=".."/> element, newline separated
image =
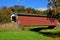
<point x="30" y="14"/>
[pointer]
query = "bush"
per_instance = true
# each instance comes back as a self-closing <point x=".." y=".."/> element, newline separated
<point x="4" y="18"/>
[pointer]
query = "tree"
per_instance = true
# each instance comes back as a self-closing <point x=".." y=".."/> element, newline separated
<point x="21" y="9"/>
<point x="6" y="10"/>
<point x="28" y="10"/>
<point x="54" y="6"/>
<point x="34" y="11"/>
<point x="4" y="15"/>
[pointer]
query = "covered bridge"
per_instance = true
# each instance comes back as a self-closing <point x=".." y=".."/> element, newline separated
<point x="36" y="20"/>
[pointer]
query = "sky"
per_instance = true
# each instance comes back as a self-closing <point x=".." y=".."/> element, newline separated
<point x="27" y="3"/>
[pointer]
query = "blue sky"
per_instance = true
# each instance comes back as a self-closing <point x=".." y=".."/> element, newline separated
<point x="27" y="3"/>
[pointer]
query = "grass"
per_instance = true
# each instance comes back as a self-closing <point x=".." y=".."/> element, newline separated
<point x="32" y="27"/>
<point x="21" y="35"/>
<point x="29" y="35"/>
<point x="53" y="33"/>
<point x="51" y="30"/>
<point x="35" y="28"/>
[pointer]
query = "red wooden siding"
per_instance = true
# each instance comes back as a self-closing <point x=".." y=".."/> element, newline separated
<point x="38" y="21"/>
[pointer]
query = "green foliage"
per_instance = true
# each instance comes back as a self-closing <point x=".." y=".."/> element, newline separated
<point x="21" y="9"/>
<point x="58" y="17"/>
<point x="4" y="18"/>
<point x="34" y="11"/>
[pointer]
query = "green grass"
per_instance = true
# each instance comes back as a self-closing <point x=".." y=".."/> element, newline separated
<point x="51" y="33"/>
<point x="27" y="35"/>
<point x="31" y="27"/>
<point x="21" y="35"/>
<point x="51" y="30"/>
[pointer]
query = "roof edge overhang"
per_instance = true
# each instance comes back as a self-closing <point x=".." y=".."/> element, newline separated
<point x="38" y="15"/>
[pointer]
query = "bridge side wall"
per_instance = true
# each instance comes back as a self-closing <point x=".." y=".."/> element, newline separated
<point x="36" y="21"/>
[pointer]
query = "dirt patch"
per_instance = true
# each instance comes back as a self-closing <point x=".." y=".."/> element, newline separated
<point x="57" y="38"/>
<point x="9" y="26"/>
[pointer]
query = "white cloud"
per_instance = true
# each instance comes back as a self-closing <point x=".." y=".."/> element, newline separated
<point x="42" y="9"/>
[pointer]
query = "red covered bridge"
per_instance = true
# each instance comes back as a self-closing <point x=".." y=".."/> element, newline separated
<point x="36" y="20"/>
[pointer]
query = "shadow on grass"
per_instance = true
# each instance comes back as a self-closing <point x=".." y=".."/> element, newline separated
<point x="41" y="28"/>
<point x="51" y="34"/>
<point x="38" y="29"/>
<point x="48" y="34"/>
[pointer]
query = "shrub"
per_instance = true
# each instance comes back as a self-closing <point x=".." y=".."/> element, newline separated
<point x="4" y="18"/>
